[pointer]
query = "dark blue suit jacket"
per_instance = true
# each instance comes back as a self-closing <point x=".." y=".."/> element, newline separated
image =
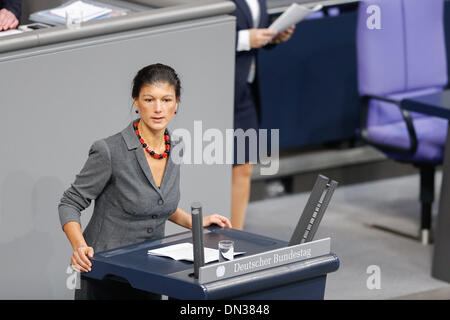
<point x="244" y="58"/>
<point x="15" y="6"/>
<point x="244" y="21"/>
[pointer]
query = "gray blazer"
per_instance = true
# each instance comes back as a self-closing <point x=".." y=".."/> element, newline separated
<point x="129" y="207"/>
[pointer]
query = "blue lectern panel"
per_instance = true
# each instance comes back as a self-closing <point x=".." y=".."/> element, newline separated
<point x="153" y="273"/>
<point x="174" y="278"/>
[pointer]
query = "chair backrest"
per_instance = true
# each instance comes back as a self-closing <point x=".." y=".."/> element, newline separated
<point x="407" y="53"/>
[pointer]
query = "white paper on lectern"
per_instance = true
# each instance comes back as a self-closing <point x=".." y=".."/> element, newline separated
<point x="292" y="15"/>
<point x="184" y="251"/>
<point x="78" y="8"/>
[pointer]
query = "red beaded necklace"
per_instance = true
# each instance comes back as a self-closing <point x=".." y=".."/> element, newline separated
<point x="147" y="148"/>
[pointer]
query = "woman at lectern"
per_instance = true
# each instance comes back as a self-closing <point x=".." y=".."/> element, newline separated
<point x="134" y="182"/>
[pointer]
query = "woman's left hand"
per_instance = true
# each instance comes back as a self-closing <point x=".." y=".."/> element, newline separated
<point x="8" y="20"/>
<point x="221" y="221"/>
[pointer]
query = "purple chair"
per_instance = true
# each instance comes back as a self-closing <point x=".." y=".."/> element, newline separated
<point x="405" y="58"/>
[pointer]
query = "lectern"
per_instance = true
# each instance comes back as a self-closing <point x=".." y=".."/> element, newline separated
<point x="269" y="269"/>
<point x="303" y="279"/>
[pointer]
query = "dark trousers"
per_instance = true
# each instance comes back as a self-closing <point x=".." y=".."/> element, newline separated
<point x="92" y="289"/>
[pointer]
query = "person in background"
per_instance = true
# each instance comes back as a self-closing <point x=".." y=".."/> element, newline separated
<point x="10" y="11"/>
<point x="252" y="21"/>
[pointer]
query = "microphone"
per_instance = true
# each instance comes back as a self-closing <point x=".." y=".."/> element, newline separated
<point x="197" y="237"/>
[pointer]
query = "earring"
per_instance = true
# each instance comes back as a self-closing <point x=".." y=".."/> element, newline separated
<point x="133" y="106"/>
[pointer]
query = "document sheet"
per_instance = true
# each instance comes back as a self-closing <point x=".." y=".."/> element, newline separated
<point x="184" y="251"/>
<point x="80" y="10"/>
<point x="293" y="15"/>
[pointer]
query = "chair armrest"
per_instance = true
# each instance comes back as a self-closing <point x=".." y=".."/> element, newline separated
<point x="364" y="105"/>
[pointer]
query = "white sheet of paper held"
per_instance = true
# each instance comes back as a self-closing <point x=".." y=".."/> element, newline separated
<point x="184" y="251"/>
<point x="292" y="15"/>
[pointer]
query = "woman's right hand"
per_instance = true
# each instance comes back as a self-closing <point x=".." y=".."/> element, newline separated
<point x="260" y="37"/>
<point x="80" y="259"/>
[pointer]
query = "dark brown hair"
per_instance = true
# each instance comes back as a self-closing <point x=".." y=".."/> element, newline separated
<point x="156" y="73"/>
